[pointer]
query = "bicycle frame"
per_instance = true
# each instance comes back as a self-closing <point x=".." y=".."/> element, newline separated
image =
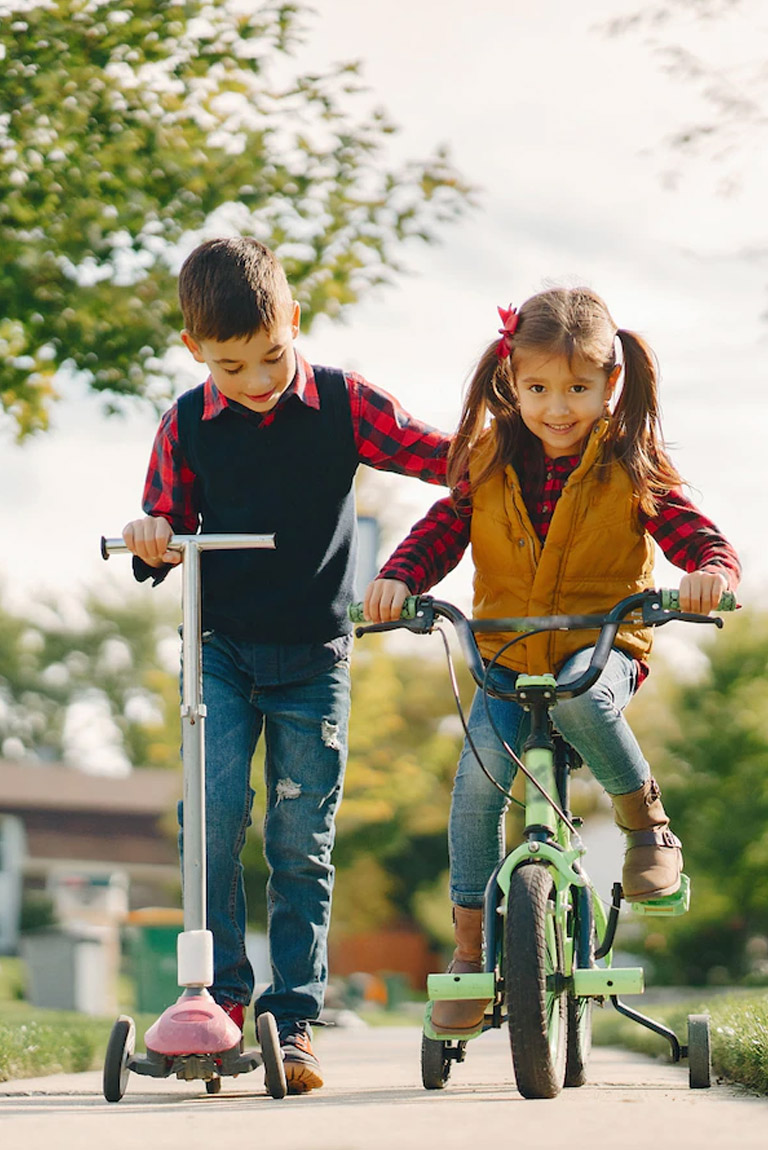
<point x="576" y="918"/>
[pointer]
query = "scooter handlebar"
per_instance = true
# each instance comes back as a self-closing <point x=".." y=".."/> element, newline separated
<point x="210" y="542"/>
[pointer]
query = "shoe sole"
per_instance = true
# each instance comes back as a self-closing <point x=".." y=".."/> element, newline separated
<point x="302" y="1078"/>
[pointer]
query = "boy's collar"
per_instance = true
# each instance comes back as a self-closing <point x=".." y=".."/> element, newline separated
<point x="303" y="386"/>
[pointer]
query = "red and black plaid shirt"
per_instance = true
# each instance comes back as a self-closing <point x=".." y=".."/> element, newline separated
<point x="437" y="542"/>
<point x="387" y="437"/>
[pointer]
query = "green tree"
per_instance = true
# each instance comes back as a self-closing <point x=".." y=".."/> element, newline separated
<point x="128" y="127"/>
<point x="106" y="661"/>
<point x="708" y="740"/>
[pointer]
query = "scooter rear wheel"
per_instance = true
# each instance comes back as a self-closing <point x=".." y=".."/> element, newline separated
<point x="274" y="1070"/>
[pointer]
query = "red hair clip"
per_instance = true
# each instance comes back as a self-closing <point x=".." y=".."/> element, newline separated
<point x="510" y="319"/>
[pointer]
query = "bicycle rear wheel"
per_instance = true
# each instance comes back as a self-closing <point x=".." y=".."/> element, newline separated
<point x="534" y="982"/>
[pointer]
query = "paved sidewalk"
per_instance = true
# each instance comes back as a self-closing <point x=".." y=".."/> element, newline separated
<point x="373" y="1100"/>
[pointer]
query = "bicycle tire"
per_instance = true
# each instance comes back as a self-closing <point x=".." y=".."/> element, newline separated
<point x="435" y="1067"/>
<point x="579" y="1040"/>
<point x="533" y="956"/>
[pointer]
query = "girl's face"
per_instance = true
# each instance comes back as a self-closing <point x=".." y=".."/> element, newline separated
<point x="559" y="403"/>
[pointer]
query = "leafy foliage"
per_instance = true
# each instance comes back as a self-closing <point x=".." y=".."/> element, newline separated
<point x="126" y="129"/>
<point x="708" y="741"/>
<point x="105" y="660"/>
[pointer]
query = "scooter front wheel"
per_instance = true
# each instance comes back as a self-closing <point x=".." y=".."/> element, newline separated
<point x="274" y="1070"/>
<point x="120" y="1048"/>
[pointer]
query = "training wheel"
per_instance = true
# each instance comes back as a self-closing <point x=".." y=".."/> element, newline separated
<point x="272" y="1055"/>
<point x="699" y="1052"/>
<point x="120" y="1048"/>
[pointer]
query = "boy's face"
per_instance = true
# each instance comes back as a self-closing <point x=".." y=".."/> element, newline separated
<point x="254" y="371"/>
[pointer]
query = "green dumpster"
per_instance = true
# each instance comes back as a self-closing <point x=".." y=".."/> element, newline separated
<point x="152" y="933"/>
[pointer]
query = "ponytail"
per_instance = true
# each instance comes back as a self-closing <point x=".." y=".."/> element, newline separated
<point x="491" y="392"/>
<point x="634" y="436"/>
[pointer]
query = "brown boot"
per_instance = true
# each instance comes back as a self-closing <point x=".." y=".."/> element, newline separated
<point x="654" y="860"/>
<point x="463" y="1014"/>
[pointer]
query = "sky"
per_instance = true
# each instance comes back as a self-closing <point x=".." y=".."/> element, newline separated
<point x="561" y="129"/>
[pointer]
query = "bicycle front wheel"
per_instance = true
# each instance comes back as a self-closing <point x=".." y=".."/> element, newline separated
<point x="579" y="1042"/>
<point x="534" y="981"/>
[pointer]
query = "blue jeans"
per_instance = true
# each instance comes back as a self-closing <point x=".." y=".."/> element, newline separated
<point x="298" y="695"/>
<point x="593" y="723"/>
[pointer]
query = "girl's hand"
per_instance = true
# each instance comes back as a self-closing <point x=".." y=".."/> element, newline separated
<point x="701" y="591"/>
<point x="148" y="538"/>
<point x="384" y="600"/>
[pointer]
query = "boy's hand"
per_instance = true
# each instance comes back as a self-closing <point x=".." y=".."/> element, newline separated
<point x="384" y="600"/>
<point x="701" y="591"/>
<point x="148" y="538"/>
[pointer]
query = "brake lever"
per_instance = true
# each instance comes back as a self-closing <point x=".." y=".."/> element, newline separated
<point x="683" y="616"/>
<point x="421" y="623"/>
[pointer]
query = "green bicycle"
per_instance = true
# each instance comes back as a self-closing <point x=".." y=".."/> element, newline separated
<point x="548" y="938"/>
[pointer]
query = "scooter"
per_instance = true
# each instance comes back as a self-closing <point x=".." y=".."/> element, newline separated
<point x="195" y="1039"/>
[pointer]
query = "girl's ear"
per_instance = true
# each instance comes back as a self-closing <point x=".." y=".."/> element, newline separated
<point x="611" y="381"/>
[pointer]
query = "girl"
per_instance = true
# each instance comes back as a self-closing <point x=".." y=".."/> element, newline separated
<point x="561" y="495"/>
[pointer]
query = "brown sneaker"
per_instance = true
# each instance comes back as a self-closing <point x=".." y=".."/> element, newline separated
<point x="302" y="1069"/>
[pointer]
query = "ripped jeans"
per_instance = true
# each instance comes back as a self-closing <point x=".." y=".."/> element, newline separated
<point x="298" y="696"/>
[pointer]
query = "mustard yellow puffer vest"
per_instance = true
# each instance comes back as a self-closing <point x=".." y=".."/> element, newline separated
<point x="595" y="553"/>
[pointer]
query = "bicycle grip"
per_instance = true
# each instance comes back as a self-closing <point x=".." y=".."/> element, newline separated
<point x="670" y="600"/>
<point x="356" y="611"/>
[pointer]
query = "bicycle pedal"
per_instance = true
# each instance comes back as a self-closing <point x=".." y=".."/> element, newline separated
<point x="669" y="906"/>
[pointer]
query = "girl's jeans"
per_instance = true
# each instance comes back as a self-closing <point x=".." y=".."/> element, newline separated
<point x="298" y="695"/>
<point x="593" y="723"/>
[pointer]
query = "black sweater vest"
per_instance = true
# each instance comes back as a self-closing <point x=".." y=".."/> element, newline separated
<point x="294" y="478"/>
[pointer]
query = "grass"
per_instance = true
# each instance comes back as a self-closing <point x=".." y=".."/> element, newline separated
<point x="739" y="1029"/>
<point x="36" y="1042"/>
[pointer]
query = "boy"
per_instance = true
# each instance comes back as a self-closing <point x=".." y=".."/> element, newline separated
<point x="271" y="444"/>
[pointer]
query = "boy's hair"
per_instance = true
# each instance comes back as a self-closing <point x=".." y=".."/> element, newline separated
<point x="570" y="322"/>
<point x="232" y="288"/>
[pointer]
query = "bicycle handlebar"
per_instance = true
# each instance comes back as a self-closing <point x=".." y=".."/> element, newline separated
<point x="654" y="609"/>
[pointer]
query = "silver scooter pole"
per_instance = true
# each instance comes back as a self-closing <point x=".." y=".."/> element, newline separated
<point x="195" y="945"/>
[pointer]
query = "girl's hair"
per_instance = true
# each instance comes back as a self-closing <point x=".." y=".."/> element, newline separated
<point x="569" y="322"/>
<point x="231" y="288"/>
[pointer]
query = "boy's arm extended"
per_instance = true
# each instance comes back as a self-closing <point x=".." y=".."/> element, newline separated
<point x="432" y="548"/>
<point x="169" y="493"/>
<point x="390" y="439"/>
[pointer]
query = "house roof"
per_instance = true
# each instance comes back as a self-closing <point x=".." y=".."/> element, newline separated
<point x="25" y="786"/>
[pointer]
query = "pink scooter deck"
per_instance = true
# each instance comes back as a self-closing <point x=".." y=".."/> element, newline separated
<point x="195" y="1024"/>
